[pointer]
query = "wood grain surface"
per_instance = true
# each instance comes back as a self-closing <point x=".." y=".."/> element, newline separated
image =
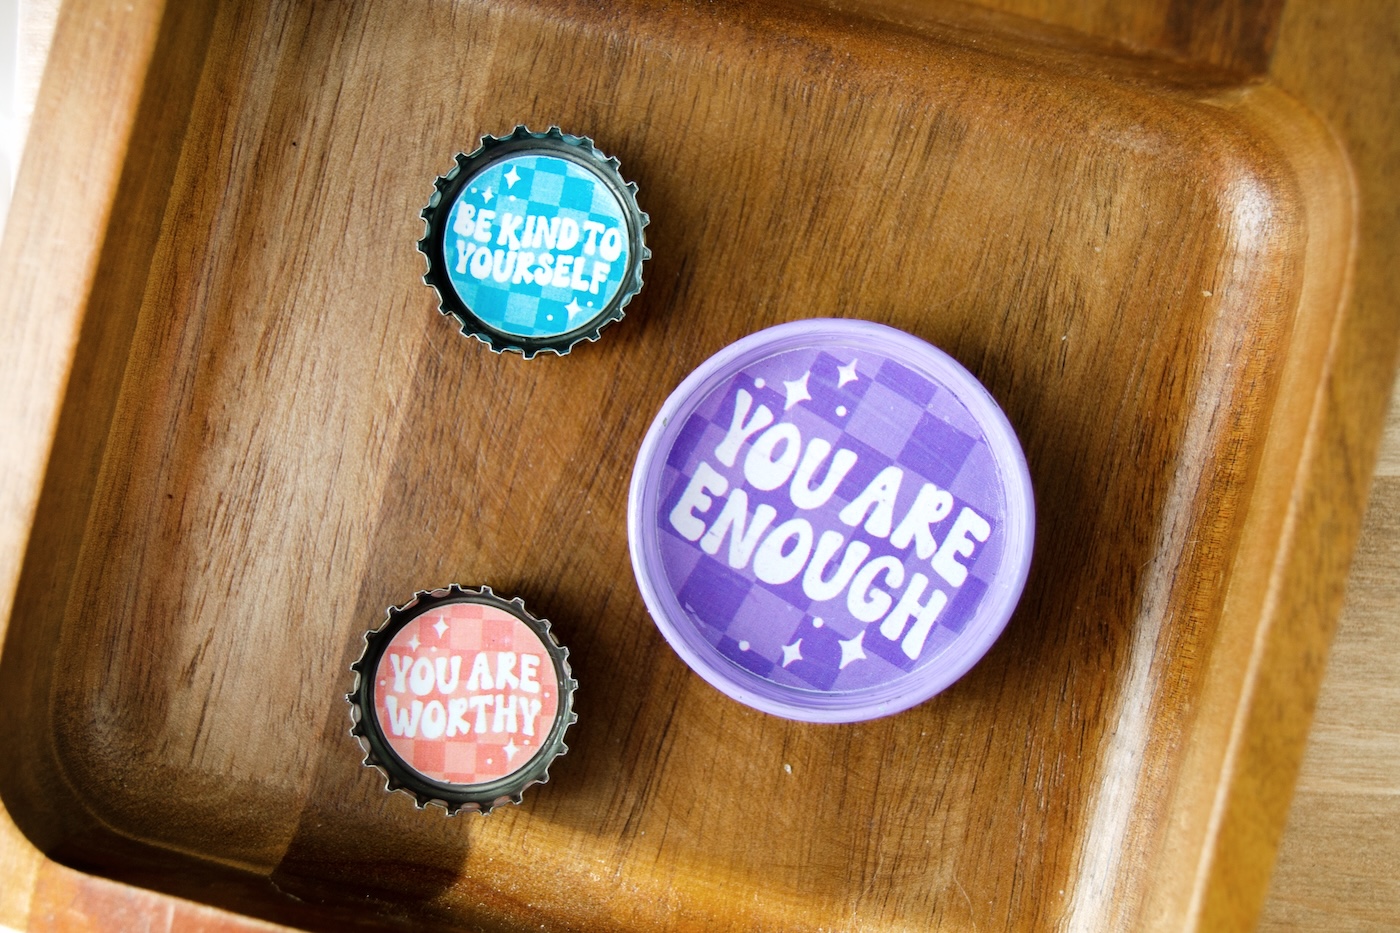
<point x="242" y="430"/>
<point x="1335" y="865"/>
<point x="1234" y="34"/>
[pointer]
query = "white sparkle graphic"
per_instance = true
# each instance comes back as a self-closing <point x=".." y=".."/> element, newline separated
<point x="439" y="626"/>
<point x="792" y="652"/>
<point x="573" y="308"/>
<point x="743" y="646"/>
<point x="841" y="411"/>
<point x="414" y="642"/>
<point x="512" y="177"/>
<point x="797" y="391"/>
<point x="487" y="195"/>
<point x="846" y="373"/>
<point x="852" y="650"/>
<point x="510" y="750"/>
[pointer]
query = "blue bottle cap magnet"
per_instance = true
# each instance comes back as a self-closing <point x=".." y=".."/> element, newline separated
<point x="831" y="520"/>
<point x="534" y="242"/>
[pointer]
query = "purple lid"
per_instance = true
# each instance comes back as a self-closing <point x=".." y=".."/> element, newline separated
<point x="831" y="520"/>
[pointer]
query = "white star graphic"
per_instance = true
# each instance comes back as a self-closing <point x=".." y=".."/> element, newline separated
<point x="573" y="309"/>
<point x="510" y="750"/>
<point x="846" y="373"/>
<point x="792" y="652"/>
<point x="852" y="650"/>
<point x="512" y="177"/>
<point x="414" y="642"/>
<point x="487" y="195"/>
<point x="797" y="391"/>
<point x="439" y="626"/>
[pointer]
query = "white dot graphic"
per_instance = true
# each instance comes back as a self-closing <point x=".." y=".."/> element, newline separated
<point x="759" y="383"/>
<point x="743" y="646"/>
<point x="817" y="622"/>
<point x="841" y="410"/>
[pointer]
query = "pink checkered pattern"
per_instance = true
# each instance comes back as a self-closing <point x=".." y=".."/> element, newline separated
<point x="465" y="630"/>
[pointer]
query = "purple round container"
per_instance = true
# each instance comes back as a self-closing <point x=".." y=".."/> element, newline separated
<point x="831" y="520"/>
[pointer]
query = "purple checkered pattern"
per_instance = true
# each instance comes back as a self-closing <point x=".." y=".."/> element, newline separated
<point x="887" y="415"/>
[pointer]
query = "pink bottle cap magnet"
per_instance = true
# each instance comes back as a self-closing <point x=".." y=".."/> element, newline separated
<point x="462" y="699"/>
<point x="831" y="520"/>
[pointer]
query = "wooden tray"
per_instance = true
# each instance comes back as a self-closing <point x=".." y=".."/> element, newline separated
<point x="242" y="429"/>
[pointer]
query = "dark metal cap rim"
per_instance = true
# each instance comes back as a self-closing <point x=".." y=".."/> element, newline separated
<point x="402" y="777"/>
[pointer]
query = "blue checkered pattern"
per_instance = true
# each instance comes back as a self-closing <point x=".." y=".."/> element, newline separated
<point x="889" y="415"/>
<point x="544" y="186"/>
